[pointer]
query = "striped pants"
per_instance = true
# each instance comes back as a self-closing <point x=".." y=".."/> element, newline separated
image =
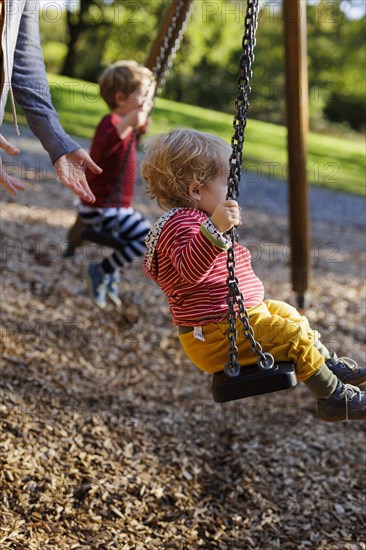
<point x="128" y="226"/>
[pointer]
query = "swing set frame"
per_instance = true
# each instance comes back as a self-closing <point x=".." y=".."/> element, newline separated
<point x="267" y="376"/>
<point x="295" y="39"/>
<point x="296" y="88"/>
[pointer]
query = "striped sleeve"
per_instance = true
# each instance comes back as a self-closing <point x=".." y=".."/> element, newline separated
<point x="193" y="245"/>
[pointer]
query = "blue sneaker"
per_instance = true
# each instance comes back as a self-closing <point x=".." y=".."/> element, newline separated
<point x="347" y="370"/>
<point x="113" y="281"/>
<point x="96" y="280"/>
<point x="346" y="403"/>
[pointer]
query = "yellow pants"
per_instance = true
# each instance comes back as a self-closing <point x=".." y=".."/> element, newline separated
<point x="278" y="327"/>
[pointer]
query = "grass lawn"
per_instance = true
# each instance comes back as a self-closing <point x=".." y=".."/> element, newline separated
<point x="333" y="162"/>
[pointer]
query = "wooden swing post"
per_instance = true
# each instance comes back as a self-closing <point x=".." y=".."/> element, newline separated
<point x="294" y="16"/>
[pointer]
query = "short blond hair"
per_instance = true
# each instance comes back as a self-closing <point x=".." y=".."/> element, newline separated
<point x="125" y="77"/>
<point x="175" y="159"/>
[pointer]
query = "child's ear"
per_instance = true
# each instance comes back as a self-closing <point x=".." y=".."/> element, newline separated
<point x="119" y="98"/>
<point x="194" y="191"/>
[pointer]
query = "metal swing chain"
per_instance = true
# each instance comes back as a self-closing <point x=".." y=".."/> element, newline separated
<point x="162" y="61"/>
<point x="235" y="296"/>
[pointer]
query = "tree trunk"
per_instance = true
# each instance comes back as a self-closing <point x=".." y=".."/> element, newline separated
<point x="76" y="25"/>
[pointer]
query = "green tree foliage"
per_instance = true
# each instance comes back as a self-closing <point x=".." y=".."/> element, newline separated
<point x="205" y="70"/>
<point x="336" y="61"/>
<point x="99" y="32"/>
<point x="208" y="64"/>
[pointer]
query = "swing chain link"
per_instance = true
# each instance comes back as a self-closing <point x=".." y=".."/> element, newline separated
<point x="235" y="296"/>
<point x="164" y="62"/>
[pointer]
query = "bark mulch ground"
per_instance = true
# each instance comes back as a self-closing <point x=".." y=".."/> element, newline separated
<point x="110" y="438"/>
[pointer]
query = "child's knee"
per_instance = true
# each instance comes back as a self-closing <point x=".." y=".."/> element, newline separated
<point x="283" y="309"/>
<point x="277" y="330"/>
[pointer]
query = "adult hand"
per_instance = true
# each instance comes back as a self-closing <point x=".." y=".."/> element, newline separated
<point x="11" y="184"/>
<point x="226" y="215"/>
<point x="70" y="169"/>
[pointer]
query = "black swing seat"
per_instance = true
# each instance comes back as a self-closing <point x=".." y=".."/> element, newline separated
<point x="101" y="237"/>
<point x="253" y="380"/>
<point x="81" y="232"/>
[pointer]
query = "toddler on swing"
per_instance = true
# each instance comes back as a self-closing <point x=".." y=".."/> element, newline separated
<point x="127" y="88"/>
<point x="186" y="172"/>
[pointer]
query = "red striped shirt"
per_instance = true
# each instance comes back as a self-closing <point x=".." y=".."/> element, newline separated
<point x="191" y="270"/>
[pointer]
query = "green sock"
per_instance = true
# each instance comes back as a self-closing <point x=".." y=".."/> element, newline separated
<point x="322" y="349"/>
<point x="323" y="383"/>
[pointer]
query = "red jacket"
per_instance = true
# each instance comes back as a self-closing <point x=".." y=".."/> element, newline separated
<point x="108" y="150"/>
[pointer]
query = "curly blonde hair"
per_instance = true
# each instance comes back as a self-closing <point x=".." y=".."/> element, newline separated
<point x="174" y="160"/>
<point x="125" y="77"/>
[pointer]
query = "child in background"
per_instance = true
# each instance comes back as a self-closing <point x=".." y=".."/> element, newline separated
<point x="187" y="172"/>
<point x="127" y="88"/>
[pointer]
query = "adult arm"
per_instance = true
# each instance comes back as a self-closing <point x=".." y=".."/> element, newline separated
<point x="31" y="90"/>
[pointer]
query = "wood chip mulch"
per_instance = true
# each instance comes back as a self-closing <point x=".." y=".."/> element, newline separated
<point x="110" y="438"/>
